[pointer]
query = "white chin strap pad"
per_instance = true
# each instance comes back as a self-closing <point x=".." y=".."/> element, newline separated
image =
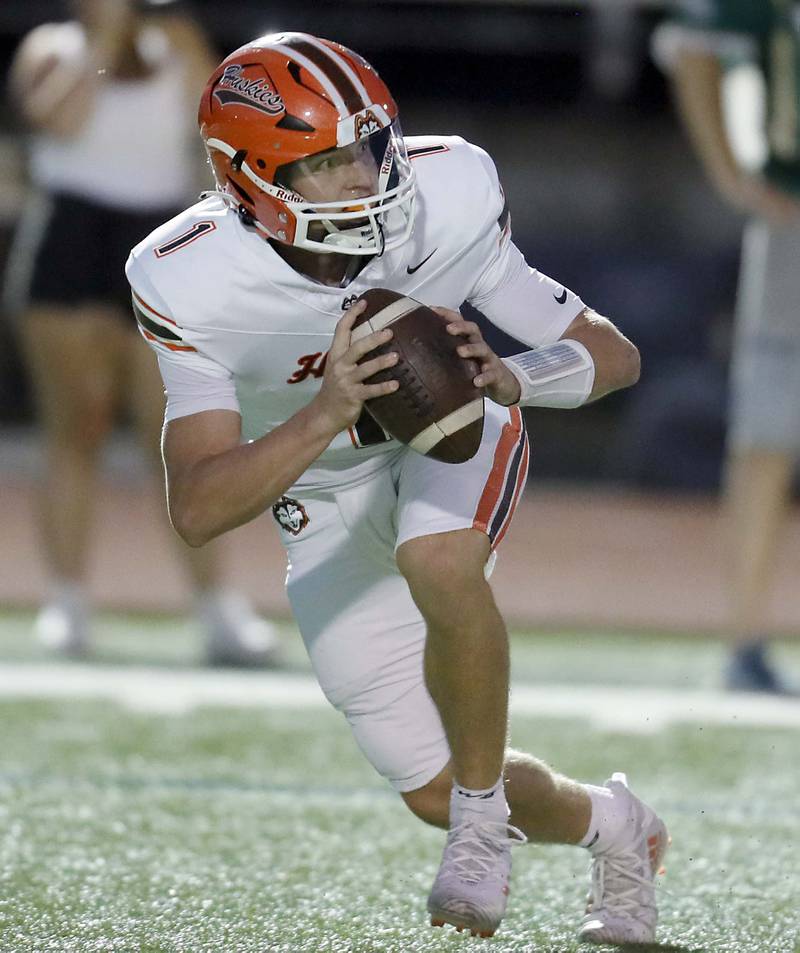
<point x="555" y="375"/>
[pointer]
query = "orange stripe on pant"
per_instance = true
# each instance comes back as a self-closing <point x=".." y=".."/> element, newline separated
<point x="493" y="489"/>
<point x="522" y="475"/>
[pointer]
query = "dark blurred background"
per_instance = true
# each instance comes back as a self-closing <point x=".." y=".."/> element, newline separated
<point x="604" y="194"/>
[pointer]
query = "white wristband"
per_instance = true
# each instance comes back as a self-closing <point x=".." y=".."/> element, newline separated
<point x="555" y="375"/>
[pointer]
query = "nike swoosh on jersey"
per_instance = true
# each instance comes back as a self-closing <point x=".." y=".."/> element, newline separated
<point x="411" y="270"/>
<point x="562" y="298"/>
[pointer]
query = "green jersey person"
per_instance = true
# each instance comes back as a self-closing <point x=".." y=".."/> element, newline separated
<point x="702" y="40"/>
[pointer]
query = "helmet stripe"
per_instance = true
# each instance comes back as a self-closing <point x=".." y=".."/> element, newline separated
<point x="354" y="100"/>
<point x="346" y="67"/>
<point x="331" y="91"/>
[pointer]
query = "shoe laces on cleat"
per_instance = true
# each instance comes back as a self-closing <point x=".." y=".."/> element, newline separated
<point x="621" y="907"/>
<point x="474" y="849"/>
<point x="471" y="888"/>
<point x="618" y="887"/>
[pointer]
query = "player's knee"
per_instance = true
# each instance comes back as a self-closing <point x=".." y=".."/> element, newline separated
<point x="445" y="568"/>
<point x="431" y="803"/>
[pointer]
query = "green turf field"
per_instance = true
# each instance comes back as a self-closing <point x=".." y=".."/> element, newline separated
<point x="244" y="829"/>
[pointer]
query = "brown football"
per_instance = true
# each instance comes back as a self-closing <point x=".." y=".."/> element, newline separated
<point x="437" y="410"/>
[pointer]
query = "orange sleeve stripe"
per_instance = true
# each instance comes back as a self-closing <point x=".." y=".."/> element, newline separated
<point x="522" y="475"/>
<point x="172" y="347"/>
<point x="144" y="304"/>
<point x="493" y="488"/>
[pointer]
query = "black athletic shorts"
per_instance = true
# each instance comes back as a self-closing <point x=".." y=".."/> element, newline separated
<point x="81" y="255"/>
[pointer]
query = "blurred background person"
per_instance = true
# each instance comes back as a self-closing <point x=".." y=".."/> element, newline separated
<point x="698" y="46"/>
<point x="109" y="98"/>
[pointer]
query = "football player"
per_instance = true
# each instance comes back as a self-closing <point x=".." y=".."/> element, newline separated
<point x="242" y="297"/>
<point x="698" y="45"/>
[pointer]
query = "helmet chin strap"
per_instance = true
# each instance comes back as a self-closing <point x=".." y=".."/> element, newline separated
<point x="343" y="238"/>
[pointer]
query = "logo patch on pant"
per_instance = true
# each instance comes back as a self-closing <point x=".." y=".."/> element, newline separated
<point x="291" y="515"/>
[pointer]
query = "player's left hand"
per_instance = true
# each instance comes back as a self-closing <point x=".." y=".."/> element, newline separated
<point x="501" y="385"/>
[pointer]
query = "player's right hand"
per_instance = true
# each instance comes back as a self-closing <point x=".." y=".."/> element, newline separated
<point x="343" y="392"/>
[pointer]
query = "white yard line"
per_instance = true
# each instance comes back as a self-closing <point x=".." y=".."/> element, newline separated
<point x="161" y="690"/>
<point x="648" y="710"/>
<point x="625" y="709"/>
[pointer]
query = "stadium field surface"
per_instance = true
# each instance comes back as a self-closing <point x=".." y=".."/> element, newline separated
<point x="150" y="805"/>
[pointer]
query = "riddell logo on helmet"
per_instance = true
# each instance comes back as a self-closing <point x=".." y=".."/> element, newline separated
<point x="287" y="196"/>
<point x="234" y="87"/>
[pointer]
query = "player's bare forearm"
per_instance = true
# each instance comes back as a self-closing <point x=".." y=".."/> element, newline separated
<point x="215" y="484"/>
<point x="616" y="359"/>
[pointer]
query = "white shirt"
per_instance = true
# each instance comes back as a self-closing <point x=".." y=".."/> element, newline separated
<point x="236" y="328"/>
<point x="133" y="150"/>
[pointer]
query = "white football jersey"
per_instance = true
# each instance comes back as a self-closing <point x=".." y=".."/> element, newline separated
<point x="236" y="328"/>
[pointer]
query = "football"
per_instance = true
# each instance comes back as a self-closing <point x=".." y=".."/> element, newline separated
<point x="437" y="410"/>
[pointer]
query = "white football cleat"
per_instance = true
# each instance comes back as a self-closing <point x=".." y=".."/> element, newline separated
<point x="471" y="888"/>
<point x="62" y="625"/>
<point x="622" y="902"/>
<point x="235" y="635"/>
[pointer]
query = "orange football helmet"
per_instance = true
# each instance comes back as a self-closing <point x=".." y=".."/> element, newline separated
<point x="285" y="97"/>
